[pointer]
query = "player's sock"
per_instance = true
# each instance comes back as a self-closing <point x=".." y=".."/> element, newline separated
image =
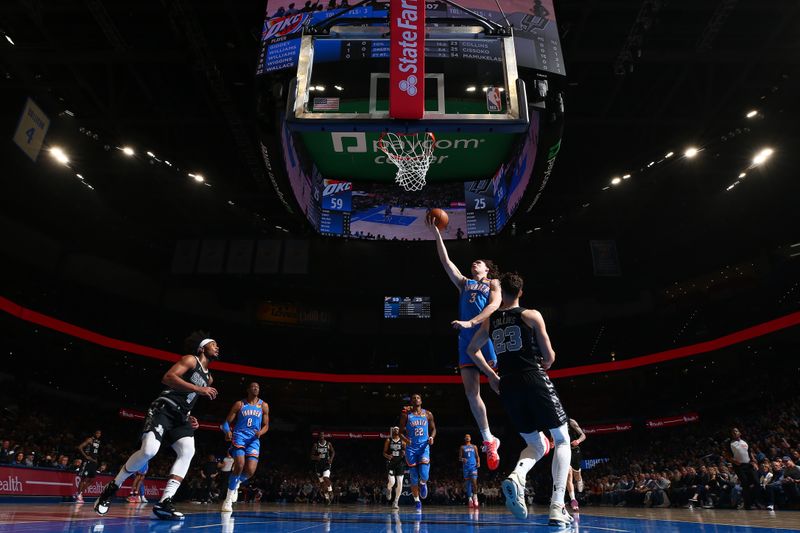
<point x="170" y="489"/>
<point x="233" y="482"/>
<point x="486" y="433"/>
<point x="469" y="489"/>
<point x="416" y="498"/>
<point x="561" y="458"/>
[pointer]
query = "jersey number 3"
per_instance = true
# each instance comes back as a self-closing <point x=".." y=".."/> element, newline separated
<point x="507" y="339"/>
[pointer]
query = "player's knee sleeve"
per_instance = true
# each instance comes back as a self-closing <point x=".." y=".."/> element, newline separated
<point x="150" y="446"/>
<point x="560" y="435"/>
<point x="538" y="445"/>
<point x="184" y="449"/>
<point x="424" y="471"/>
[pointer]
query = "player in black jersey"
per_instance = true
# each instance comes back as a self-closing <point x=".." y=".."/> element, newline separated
<point x="90" y="450"/>
<point x="322" y="454"/>
<point x="576" y="436"/>
<point x="394" y="452"/>
<point x="169" y="421"/>
<point x="524" y="354"/>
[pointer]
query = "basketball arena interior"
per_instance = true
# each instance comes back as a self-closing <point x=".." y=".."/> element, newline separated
<point x="569" y="227"/>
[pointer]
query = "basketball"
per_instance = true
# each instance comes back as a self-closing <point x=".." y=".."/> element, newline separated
<point x="440" y="216"/>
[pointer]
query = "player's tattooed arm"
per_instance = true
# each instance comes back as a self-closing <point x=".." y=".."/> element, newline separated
<point x="581" y="435"/>
<point x="533" y="319"/>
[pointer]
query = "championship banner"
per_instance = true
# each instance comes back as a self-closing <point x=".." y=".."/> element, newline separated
<point x="600" y="429"/>
<point x="358" y="435"/>
<point x="20" y="481"/>
<point x="407" y="59"/>
<point x="669" y="421"/>
<point x="133" y="414"/>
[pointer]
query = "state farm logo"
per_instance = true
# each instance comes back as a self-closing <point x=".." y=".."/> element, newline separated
<point x="409" y="41"/>
<point x="283" y="26"/>
<point x="409" y="85"/>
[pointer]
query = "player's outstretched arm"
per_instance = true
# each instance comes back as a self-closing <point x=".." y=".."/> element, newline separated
<point x="534" y="319"/>
<point x="174" y="380"/>
<point x="450" y="268"/>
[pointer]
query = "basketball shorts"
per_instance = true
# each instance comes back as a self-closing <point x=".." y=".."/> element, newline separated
<point x="531" y="401"/>
<point x="322" y="469"/>
<point x="167" y="422"/>
<point x="245" y="444"/>
<point x="464" y="360"/>
<point x="470" y="471"/>
<point x="420" y="454"/>
<point x="395" y="467"/>
<point x="88" y="470"/>
<point x="577" y="457"/>
<point x="143" y="470"/>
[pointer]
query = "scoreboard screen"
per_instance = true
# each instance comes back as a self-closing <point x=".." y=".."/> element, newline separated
<point x="406" y="307"/>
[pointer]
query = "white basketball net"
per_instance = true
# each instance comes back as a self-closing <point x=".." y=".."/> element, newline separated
<point x="412" y="154"/>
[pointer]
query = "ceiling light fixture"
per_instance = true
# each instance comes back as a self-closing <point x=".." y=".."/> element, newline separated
<point x="127" y="150"/>
<point x="690" y="152"/>
<point x="59" y="155"/>
<point x="762" y="156"/>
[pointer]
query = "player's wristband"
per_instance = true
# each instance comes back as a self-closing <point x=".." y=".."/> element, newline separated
<point x="225" y="427"/>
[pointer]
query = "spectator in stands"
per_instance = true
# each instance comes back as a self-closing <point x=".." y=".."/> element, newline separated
<point x="6" y="452"/>
<point x="19" y="459"/>
<point x="209" y="473"/>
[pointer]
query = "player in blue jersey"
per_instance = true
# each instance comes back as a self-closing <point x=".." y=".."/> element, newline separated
<point x="250" y="420"/>
<point x="471" y="462"/>
<point x="479" y="297"/>
<point x="419" y="432"/>
<point x="137" y="489"/>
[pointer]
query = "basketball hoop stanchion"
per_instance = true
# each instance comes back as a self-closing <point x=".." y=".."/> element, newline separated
<point x="412" y="153"/>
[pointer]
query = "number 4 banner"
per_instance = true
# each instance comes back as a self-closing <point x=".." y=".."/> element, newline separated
<point x="31" y="130"/>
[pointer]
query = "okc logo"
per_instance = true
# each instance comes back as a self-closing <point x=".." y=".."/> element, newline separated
<point x="409" y="85"/>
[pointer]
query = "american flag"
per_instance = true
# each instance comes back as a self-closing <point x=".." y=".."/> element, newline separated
<point x="326" y="104"/>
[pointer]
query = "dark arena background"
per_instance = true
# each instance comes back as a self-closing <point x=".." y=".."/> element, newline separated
<point x="171" y="167"/>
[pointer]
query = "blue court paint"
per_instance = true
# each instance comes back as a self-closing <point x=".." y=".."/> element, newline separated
<point x="396" y="220"/>
<point x="337" y="519"/>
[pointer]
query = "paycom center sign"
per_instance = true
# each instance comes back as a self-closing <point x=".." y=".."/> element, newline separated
<point x="354" y="155"/>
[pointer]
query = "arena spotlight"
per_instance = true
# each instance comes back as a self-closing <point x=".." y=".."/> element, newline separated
<point x="752" y="113"/>
<point x="616" y="181"/>
<point x="669" y="154"/>
<point x="59" y="155"/>
<point x="197" y="177"/>
<point x="151" y="154"/>
<point x="9" y="39"/>
<point x="338" y="87"/>
<point x="127" y="150"/>
<point x="731" y="186"/>
<point x="471" y="89"/>
<point x="79" y="176"/>
<point x="690" y="152"/>
<point x="743" y="174"/>
<point x="626" y="176"/>
<point x="762" y="156"/>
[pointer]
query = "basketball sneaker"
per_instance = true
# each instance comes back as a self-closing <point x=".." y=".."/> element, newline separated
<point x="470" y="505"/>
<point x="104" y="500"/>
<point x="475" y="503"/>
<point x="559" y="515"/>
<point x="132" y="499"/>
<point x="492" y="457"/>
<point x="423" y="490"/>
<point x="418" y="507"/>
<point x="142" y="499"/>
<point x="514" y="491"/>
<point x="165" y="510"/>
<point x="396" y="505"/>
<point x="227" y="506"/>
<point x="574" y="505"/>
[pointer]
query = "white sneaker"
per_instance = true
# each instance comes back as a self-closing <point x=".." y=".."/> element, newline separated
<point x="396" y="505"/>
<point x="559" y="515"/>
<point x="142" y="499"/>
<point x="227" y="506"/>
<point x="514" y="491"/>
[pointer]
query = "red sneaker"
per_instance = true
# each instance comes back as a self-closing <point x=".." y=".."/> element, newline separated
<point x="469" y="504"/>
<point x="492" y="457"/>
<point x="574" y="505"/>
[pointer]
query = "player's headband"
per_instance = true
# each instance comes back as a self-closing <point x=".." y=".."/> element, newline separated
<point x="203" y="343"/>
<point x="393" y="428"/>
